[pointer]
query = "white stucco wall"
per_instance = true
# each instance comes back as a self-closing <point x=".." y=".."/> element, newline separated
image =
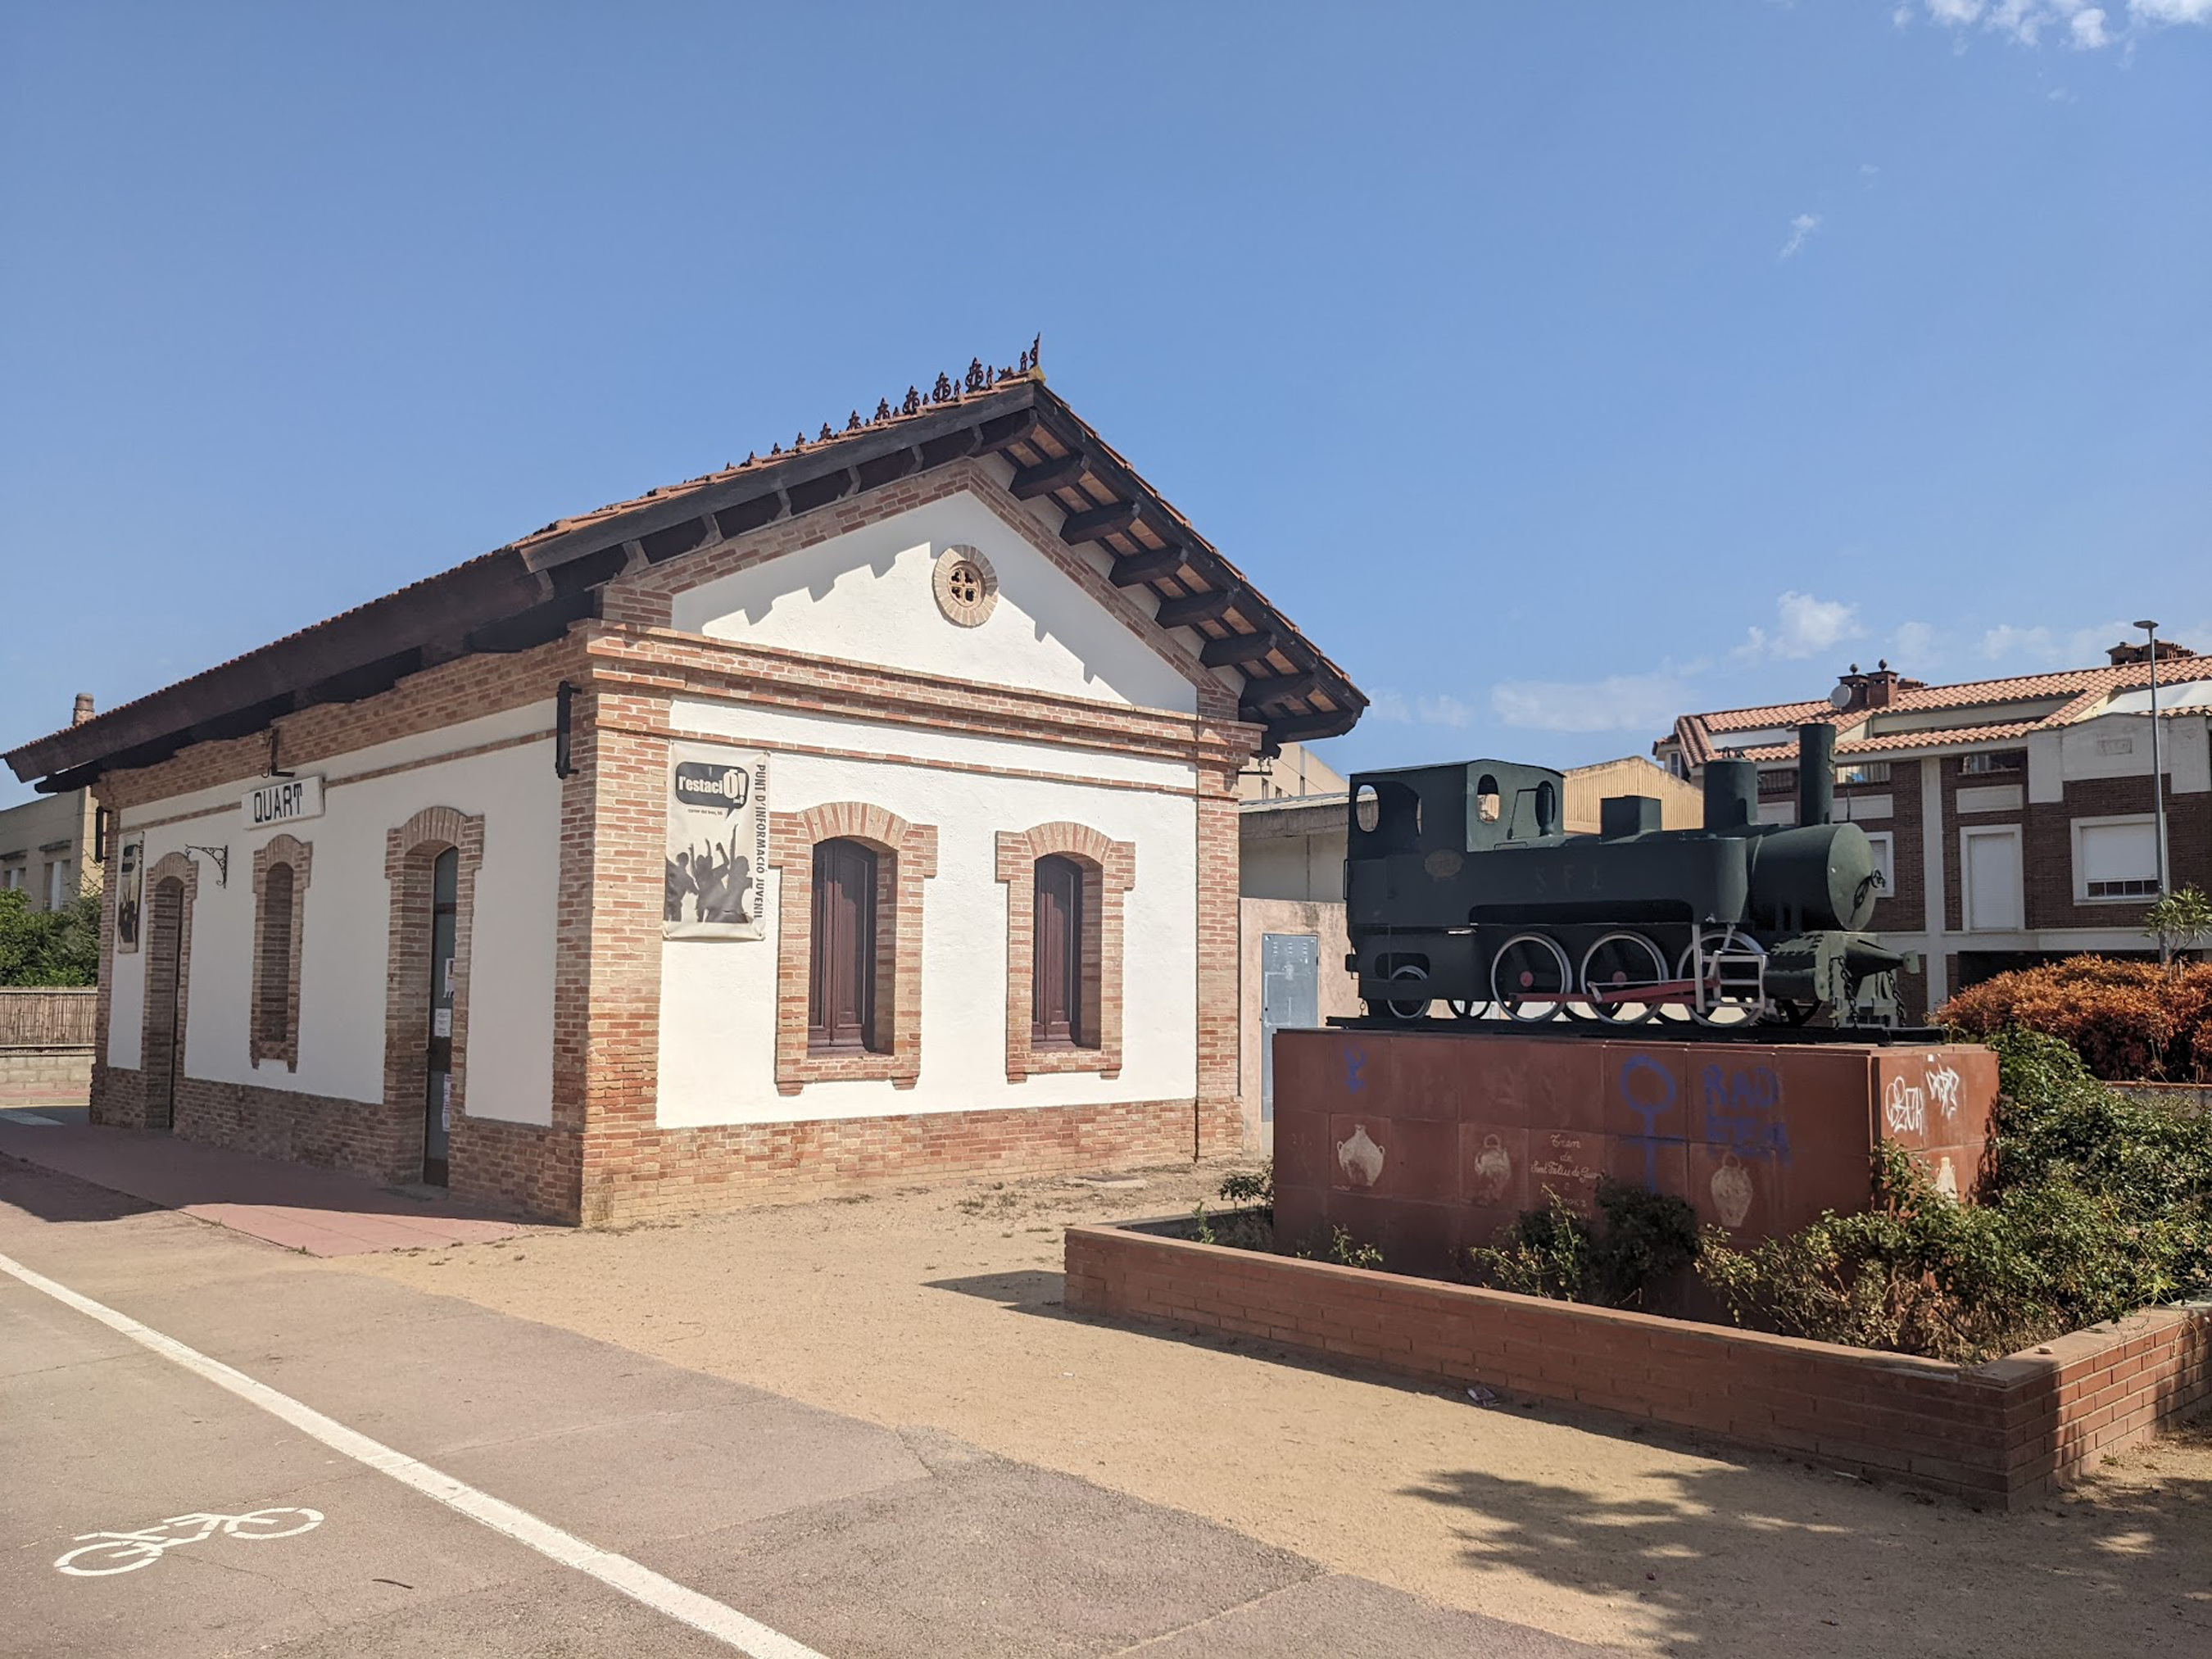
<point x="345" y="919"/>
<point x="865" y="597"/>
<point x="717" y="998"/>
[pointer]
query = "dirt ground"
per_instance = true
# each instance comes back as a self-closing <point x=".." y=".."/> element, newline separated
<point x="941" y="1307"/>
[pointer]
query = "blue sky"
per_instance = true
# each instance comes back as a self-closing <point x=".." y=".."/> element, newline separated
<point x="1559" y="368"/>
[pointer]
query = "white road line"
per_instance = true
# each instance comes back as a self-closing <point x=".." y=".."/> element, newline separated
<point x="640" y="1583"/>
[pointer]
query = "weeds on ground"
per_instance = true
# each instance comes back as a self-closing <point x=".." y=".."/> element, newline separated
<point x="1638" y="1241"/>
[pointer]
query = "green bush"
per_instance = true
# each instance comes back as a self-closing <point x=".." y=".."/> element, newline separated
<point x="2093" y="1205"/>
<point x="1641" y="1240"/>
<point x="48" y="947"/>
<point x="1253" y="1190"/>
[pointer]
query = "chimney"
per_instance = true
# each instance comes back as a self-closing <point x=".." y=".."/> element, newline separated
<point x="1881" y="685"/>
<point x="1816" y="772"/>
<point x="83" y="710"/>
<point x="2127" y="654"/>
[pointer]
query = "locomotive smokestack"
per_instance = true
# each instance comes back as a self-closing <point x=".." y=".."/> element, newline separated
<point x="1731" y="793"/>
<point x="1816" y="772"/>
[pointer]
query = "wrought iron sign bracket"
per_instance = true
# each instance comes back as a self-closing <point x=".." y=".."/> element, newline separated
<point x="219" y="857"/>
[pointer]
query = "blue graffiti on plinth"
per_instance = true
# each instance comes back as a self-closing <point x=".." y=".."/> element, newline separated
<point x="1648" y="1103"/>
<point x="1355" y="1062"/>
<point x="1743" y="1112"/>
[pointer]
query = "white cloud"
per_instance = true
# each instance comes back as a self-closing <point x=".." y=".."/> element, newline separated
<point x="1914" y="650"/>
<point x="1390" y="708"/>
<point x="1619" y="703"/>
<point x="2041" y="646"/>
<point x="1800" y="227"/>
<point x="1441" y="708"/>
<point x="2085" y="27"/>
<point x="2171" y="11"/>
<point x="1804" y="626"/>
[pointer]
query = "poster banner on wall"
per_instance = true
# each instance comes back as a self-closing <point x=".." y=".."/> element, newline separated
<point x="129" y="877"/>
<point x="717" y="842"/>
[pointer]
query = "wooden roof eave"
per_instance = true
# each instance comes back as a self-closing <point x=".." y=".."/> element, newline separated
<point x="534" y="588"/>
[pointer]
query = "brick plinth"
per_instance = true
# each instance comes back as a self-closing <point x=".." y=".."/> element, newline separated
<point x="680" y="1171"/>
<point x="357" y="1135"/>
<point x="2003" y="1434"/>
<point x="1423" y="1142"/>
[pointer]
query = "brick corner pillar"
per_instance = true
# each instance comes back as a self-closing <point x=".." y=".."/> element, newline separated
<point x="606" y="998"/>
<point x="1218" y="1122"/>
<point x="118" y="1099"/>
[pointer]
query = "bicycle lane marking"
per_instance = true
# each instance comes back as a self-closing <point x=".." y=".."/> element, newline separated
<point x="618" y="1573"/>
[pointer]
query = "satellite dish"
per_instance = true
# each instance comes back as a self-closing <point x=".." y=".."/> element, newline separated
<point x="1840" y="698"/>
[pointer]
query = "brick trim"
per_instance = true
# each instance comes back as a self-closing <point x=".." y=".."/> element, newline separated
<point x="178" y="867"/>
<point x="1109" y="869"/>
<point x="663" y="664"/>
<point x="299" y="855"/>
<point x="910" y="851"/>
<point x="1220" y="1114"/>
<point x="410" y="852"/>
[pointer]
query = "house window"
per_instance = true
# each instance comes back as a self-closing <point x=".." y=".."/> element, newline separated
<point x="57" y="884"/>
<point x="1056" y="1017"/>
<point x="1993" y="760"/>
<point x="841" y="994"/>
<point x="1990" y="861"/>
<point x="2115" y="858"/>
<point x="272" y="1016"/>
<point x="1884" y="843"/>
<point x="1066" y="888"/>
<point x="281" y="870"/>
<point x="849" y="952"/>
<point x="11" y="878"/>
<point x="1863" y="772"/>
<point x="1778" y="780"/>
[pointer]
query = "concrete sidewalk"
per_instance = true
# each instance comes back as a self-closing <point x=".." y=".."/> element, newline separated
<point x="322" y="1211"/>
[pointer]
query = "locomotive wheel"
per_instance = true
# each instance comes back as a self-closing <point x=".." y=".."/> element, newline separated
<point x="1729" y="1013"/>
<point x="1462" y="1007"/>
<point x="1617" y="962"/>
<point x="1531" y="978"/>
<point x="1409" y="1009"/>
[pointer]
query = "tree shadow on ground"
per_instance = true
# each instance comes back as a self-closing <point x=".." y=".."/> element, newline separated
<point x="1767" y="1558"/>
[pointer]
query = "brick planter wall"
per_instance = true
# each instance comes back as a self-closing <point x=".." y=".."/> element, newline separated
<point x="2004" y="1433"/>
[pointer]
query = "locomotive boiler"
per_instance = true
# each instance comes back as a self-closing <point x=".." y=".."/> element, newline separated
<point x="1461" y="887"/>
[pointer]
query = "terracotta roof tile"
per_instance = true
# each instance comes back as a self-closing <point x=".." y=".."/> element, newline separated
<point x="2085" y="691"/>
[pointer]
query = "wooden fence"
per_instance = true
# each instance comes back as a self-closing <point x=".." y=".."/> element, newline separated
<point x="42" y="1018"/>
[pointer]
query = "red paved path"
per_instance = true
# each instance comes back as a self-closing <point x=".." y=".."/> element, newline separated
<point x="322" y="1211"/>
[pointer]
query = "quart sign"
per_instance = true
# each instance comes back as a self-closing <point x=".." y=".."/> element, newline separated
<point x="284" y="800"/>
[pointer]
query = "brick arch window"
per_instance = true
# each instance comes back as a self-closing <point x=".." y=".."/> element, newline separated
<point x="849" y="944"/>
<point x="171" y="888"/>
<point x="280" y="870"/>
<point x="410" y="861"/>
<point x="1065" y="886"/>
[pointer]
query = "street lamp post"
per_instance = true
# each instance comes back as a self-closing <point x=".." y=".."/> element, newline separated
<point x="2157" y="775"/>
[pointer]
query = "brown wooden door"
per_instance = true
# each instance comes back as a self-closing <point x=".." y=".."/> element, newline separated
<point x="841" y="994"/>
<point x="1056" y="998"/>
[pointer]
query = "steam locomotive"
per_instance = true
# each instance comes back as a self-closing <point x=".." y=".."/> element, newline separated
<point x="1461" y="886"/>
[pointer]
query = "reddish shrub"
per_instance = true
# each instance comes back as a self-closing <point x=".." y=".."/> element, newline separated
<point x="2126" y="1019"/>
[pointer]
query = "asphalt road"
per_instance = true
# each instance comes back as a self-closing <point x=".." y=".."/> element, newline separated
<point x="833" y="1534"/>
